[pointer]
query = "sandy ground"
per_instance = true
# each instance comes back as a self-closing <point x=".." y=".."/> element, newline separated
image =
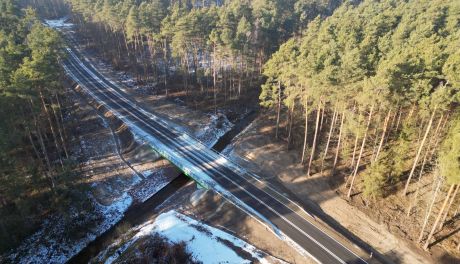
<point x="256" y="148"/>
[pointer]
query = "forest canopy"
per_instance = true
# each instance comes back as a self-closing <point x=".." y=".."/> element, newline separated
<point x="365" y="92"/>
<point x="35" y="167"/>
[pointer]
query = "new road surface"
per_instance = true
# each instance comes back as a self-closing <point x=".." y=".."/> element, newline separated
<point x="208" y="167"/>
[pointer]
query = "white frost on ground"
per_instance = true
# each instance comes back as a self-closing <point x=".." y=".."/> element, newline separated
<point x="50" y="245"/>
<point x="228" y="150"/>
<point x="211" y="132"/>
<point x="207" y="244"/>
<point x="154" y="182"/>
<point x="58" y="23"/>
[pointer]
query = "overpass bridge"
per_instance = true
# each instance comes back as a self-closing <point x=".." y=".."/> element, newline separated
<point x="210" y="169"/>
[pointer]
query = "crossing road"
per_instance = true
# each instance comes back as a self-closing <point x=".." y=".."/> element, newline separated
<point x="208" y="167"/>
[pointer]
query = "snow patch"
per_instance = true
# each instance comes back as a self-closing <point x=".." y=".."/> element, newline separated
<point x="214" y="130"/>
<point x="196" y="196"/>
<point x="44" y="247"/>
<point x="58" y="23"/>
<point x="150" y="186"/>
<point x="200" y="240"/>
<point x="147" y="173"/>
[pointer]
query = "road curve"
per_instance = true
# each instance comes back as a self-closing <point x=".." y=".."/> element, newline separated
<point x="197" y="161"/>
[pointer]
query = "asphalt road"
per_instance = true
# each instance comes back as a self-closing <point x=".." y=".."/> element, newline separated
<point x="198" y="161"/>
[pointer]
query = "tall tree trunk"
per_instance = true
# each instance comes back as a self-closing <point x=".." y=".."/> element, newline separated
<point x="355" y="146"/>
<point x="443" y="221"/>
<point x="313" y="147"/>
<point x="429" y="209"/>
<point x="291" y="120"/>
<point x="399" y="119"/>
<point x="166" y="65"/>
<point x="361" y="151"/>
<point x="438" y="218"/>
<point x="376" y="141"/>
<point x="304" y="149"/>
<point x="336" y="158"/>
<point x="420" y="131"/>
<point x="214" y="77"/>
<point x="240" y="73"/>
<point x="60" y="114"/>
<point x="126" y="43"/>
<point x="40" y="137"/>
<point x="352" y="163"/>
<point x="278" y="111"/>
<point x="385" y="126"/>
<point x="411" y="112"/>
<point x="48" y="115"/>
<point x="322" y="117"/>
<point x="436" y="138"/>
<point x="58" y="125"/>
<point x="48" y="171"/>
<point x="331" y="129"/>
<point x="414" y="201"/>
<point x="29" y="135"/>
<point x="418" y="152"/>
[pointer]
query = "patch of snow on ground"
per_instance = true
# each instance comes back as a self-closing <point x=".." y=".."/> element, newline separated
<point x="207" y="244"/>
<point x="44" y="247"/>
<point x="228" y="150"/>
<point x="147" y="173"/>
<point x="210" y="133"/>
<point x="58" y="23"/>
<point x="150" y="186"/>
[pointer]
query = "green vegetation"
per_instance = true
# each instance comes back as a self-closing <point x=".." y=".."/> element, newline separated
<point x="391" y="69"/>
<point x="217" y="51"/>
<point x="449" y="156"/>
<point x="395" y="63"/>
<point x="369" y="88"/>
<point x="36" y="175"/>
